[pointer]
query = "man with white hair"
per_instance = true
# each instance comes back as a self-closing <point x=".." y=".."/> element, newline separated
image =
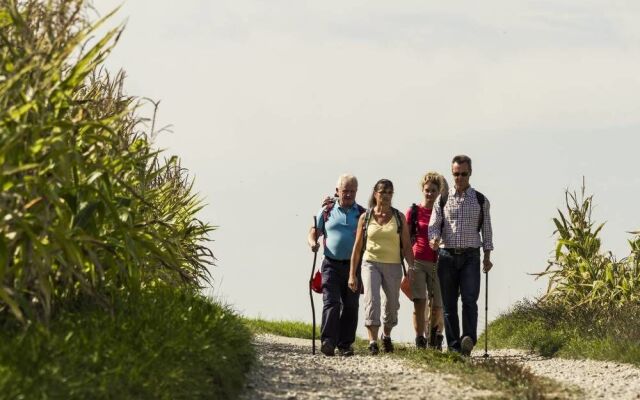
<point x="337" y="223"/>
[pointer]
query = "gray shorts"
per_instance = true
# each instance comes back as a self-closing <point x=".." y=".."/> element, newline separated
<point x="425" y="281"/>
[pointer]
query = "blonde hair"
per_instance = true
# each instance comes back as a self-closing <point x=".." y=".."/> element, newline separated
<point x="436" y="179"/>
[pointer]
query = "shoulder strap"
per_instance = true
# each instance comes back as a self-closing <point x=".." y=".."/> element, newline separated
<point x="325" y="217"/>
<point x="480" y="198"/>
<point x="444" y="197"/>
<point x="365" y="227"/>
<point x="400" y="223"/>
<point x="413" y="232"/>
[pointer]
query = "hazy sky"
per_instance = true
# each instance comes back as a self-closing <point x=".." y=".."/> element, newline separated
<point x="271" y="100"/>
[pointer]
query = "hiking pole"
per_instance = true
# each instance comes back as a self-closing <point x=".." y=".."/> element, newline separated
<point x="313" y="269"/>
<point x="486" y="313"/>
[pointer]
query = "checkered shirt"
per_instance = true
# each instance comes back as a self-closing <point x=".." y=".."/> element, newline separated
<point x="461" y="219"/>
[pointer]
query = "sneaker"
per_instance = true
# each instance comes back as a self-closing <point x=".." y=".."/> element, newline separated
<point x="373" y="348"/>
<point x="421" y="342"/>
<point x="466" y="345"/>
<point x="387" y="346"/>
<point x="346" y="352"/>
<point x="328" y="349"/>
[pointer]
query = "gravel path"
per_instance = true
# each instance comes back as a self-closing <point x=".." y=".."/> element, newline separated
<point x="287" y="370"/>
<point x="596" y="379"/>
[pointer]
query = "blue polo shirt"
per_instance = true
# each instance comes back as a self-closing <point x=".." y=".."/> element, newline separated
<point x="341" y="229"/>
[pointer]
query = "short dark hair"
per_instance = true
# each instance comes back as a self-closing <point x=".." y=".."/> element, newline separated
<point x="461" y="159"/>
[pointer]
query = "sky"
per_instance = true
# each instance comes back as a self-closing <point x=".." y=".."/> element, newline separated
<point x="269" y="102"/>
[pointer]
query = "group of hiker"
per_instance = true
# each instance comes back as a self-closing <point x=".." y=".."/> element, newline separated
<point x="439" y="238"/>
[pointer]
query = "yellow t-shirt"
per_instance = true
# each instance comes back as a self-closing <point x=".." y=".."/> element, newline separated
<point x="383" y="242"/>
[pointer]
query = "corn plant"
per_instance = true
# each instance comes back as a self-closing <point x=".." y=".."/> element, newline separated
<point x="87" y="206"/>
<point x="580" y="273"/>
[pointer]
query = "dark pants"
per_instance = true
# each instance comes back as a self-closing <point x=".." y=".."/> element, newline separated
<point x="459" y="276"/>
<point x="340" y="310"/>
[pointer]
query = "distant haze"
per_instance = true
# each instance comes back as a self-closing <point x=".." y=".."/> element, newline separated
<point x="271" y="101"/>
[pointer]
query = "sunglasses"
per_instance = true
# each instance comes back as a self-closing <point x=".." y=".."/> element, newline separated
<point x="460" y="174"/>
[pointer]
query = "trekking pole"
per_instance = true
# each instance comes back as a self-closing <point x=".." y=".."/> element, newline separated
<point x="313" y="308"/>
<point x="486" y="313"/>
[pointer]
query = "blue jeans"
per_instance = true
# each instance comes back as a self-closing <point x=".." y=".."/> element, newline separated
<point x="340" y="309"/>
<point x="459" y="276"/>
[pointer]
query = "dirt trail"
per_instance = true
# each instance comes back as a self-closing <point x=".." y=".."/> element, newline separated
<point x="287" y="370"/>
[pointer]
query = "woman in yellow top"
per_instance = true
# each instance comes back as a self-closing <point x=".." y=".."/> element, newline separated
<point x="387" y="242"/>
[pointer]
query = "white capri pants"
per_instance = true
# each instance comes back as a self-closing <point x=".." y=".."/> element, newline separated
<point x="387" y="276"/>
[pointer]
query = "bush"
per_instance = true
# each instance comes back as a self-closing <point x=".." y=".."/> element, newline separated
<point x="159" y="344"/>
<point x="555" y="329"/>
<point x="87" y="206"/>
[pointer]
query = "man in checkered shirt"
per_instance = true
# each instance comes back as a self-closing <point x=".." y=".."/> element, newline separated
<point x="455" y="231"/>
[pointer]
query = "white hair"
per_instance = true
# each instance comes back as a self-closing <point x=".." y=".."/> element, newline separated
<point x="346" y="178"/>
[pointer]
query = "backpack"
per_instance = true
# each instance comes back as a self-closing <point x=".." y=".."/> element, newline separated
<point x="443" y="201"/>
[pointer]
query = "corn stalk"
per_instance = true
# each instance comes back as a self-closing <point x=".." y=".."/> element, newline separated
<point x="580" y="273"/>
<point x="87" y="206"/>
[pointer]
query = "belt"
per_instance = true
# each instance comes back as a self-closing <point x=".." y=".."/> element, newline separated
<point x="337" y="261"/>
<point x="460" y="250"/>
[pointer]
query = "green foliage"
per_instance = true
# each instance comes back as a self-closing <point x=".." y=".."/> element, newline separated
<point x="506" y="379"/>
<point x="580" y="273"/>
<point x="158" y="344"/>
<point x="87" y="206"/>
<point x="591" y="308"/>
<point x="282" y="328"/>
<point x="554" y="329"/>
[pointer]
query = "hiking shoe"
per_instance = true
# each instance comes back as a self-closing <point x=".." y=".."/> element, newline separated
<point x="328" y="349"/>
<point x="387" y="346"/>
<point x="421" y="342"/>
<point x="439" y="340"/>
<point x="432" y="337"/>
<point x="466" y="345"/>
<point x="345" y="352"/>
<point x="373" y="348"/>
